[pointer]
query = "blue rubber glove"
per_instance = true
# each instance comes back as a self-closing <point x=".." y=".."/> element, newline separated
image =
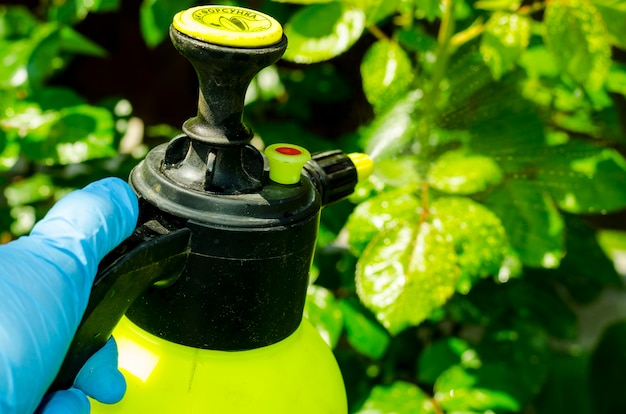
<point x="45" y="281"/>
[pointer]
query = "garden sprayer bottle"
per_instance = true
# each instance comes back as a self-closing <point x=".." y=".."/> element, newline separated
<point x="206" y="298"/>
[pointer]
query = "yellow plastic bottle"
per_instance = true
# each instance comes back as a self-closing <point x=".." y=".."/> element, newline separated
<point x="296" y="375"/>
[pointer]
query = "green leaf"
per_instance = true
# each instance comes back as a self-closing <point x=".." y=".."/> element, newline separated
<point x="57" y="98"/>
<point x="400" y="397"/>
<point x="42" y="61"/>
<point x="440" y="137"/>
<point x="567" y="388"/>
<point x="29" y="190"/>
<point x="69" y="12"/>
<point x="319" y="32"/>
<point x="579" y="121"/>
<point x="428" y="9"/>
<point x="512" y="133"/>
<point x="265" y="86"/>
<point x="505" y="37"/>
<point x="14" y="55"/>
<point x="386" y="72"/>
<point x="393" y="130"/>
<point x="479" y="239"/>
<point x="365" y="335"/>
<point x="511" y="341"/>
<point x="309" y="85"/>
<point x="539" y="62"/>
<point x="73" y="42"/>
<point x="73" y="11"/>
<point x="468" y="78"/>
<point x="574" y="116"/>
<point x="396" y="172"/>
<point x="107" y="5"/>
<point x="461" y="390"/>
<point x="9" y="150"/>
<point x="537" y="300"/>
<point x="586" y="270"/>
<point x="24" y="117"/>
<point x="374" y="215"/>
<point x="378" y="10"/>
<point x="572" y="98"/>
<point x="591" y="113"/>
<point x="616" y="81"/>
<point x="612" y="242"/>
<point x="519" y="346"/>
<point x="501" y="124"/>
<point x="533" y="224"/>
<point x="71" y="135"/>
<point x="405" y="273"/>
<point x="24" y="219"/>
<point x="577" y="36"/>
<point x="461" y="172"/>
<point x="599" y="99"/>
<point x="332" y="221"/>
<point x="613" y="13"/>
<point x="443" y="354"/>
<point x="16" y="22"/>
<point x="416" y="40"/>
<point x="606" y="370"/>
<point x="156" y="17"/>
<point x="496" y="5"/>
<point x="584" y="177"/>
<point x="303" y="1"/>
<point x="323" y="311"/>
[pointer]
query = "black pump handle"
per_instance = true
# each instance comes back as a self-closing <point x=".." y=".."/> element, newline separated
<point x="141" y="261"/>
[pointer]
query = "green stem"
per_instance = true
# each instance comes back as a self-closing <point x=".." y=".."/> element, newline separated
<point x="378" y="34"/>
<point x="442" y="54"/>
<point x="407" y="16"/>
<point x="532" y="8"/>
<point x="464" y="36"/>
<point x="436" y="407"/>
<point x="425" y="203"/>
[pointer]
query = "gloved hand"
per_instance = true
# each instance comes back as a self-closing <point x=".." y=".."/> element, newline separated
<point x="45" y="282"/>
<point x="98" y="378"/>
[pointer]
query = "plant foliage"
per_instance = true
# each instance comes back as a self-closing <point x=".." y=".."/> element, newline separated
<point x="454" y="278"/>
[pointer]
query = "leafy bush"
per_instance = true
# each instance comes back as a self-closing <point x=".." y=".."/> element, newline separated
<point x="455" y="278"/>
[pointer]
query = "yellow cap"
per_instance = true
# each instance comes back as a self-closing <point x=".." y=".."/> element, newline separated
<point x="286" y="162"/>
<point x="229" y="26"/>
<point x="363" y="163"/>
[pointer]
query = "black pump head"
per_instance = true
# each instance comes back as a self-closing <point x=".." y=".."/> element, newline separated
<point x="222" y="251"/>
<point x="252" y="239"/>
